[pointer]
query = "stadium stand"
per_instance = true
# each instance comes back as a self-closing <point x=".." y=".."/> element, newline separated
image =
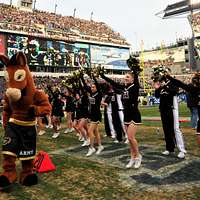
<point x="50" y="25"/>
<point x="195" y="21"/>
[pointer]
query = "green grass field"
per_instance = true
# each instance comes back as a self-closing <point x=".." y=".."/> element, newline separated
<point x="153" y="110"/>
<point x="81" y="179"/>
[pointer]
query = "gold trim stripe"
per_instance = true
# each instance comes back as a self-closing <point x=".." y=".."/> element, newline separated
<point x="27" y="158"/>
<point x="132" y="122"/>
<point x="22" y="123"/>
<point x="9" y="153"/>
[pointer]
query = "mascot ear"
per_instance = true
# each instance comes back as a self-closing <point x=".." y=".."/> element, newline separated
<point x="21" y="58"/>
<point x="4" y="59"/>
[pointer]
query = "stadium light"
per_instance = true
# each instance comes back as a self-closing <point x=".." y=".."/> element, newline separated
<point x="91" y="15"/>
<point x="74" y="14"/>
<point x="34" y="4"/>
<point x="55" y="8"/>
<point x="181" y="8"/>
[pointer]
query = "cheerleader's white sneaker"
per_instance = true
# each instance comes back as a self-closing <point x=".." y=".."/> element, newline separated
<point x="181" y="155"/>
<point x="42" y="132"/>
<point x="100" y="149"/>
<point x="130" y="163"/>
<point x="126" y="141"/>
<point x="166" y="153"/>
<point x="55" y="135"/>
<point x="66" y="131"/>
<point x="90" y="151"/>
<point x="138" y="161"/>
<point x="71" y="130"/>
<point x="86" y="143"/>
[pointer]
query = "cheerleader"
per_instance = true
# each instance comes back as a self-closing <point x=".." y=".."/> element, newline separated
<point x="57" y="110"/>
<point x="94" y="116"/>
<point x="69" y="110"/>
<point x="113" y="125"/>
<point x="132" y="115"/>
<point x="194" y="89"/>
<point x="82" y="113"/>
<point x="108" y="121"/>
<point x="167" y="92"/>
<point x="42" y="119"/>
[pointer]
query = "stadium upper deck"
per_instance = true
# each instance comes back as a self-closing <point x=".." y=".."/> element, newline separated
<point x="50" y="25"/>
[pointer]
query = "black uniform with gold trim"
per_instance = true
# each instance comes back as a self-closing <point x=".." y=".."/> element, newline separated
<point x="20" y="139"/>
<point x="130" y="95"/>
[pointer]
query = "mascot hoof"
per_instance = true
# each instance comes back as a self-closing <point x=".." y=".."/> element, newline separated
<point x="30" y="180"/>
<point x="4" y="182"/>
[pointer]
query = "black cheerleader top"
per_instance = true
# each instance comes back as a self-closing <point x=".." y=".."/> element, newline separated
<point x="94" y="102"/>
<point x="130" y="94"/>
<point x="94" y="106"/>
<point x="82" y="107"/>
<point x="190" y="88"/>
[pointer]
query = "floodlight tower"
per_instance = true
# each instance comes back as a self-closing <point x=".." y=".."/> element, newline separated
<point x="180" y="8"/>
<point x="34" y="3"/>
<point x="193" y="61"/>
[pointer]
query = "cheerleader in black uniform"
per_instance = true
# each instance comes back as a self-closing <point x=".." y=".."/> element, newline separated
<point x="69" y="110"/>
<point x="94" y="116"/>
<point x="108" y="121"/>
<point x="194" y="89"/>
<point x="112" y="121"/>
<point x="82" y="113"/>
<point x="57" y="110"/>
<point x="167" y="92"/>
<point x="132" y="115"/>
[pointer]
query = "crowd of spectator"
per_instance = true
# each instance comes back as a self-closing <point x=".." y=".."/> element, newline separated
<point x="151" y="63"/>
<point x="43" y="82"/>
<point x="56" y="26"/>
<point x="195" y="20"/>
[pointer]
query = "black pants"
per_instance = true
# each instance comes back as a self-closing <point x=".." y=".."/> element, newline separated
<point x="168" y="128"/>
<point x="19" y="141"/>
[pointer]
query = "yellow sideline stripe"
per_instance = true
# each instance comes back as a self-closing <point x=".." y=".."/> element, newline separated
<point x="22" y="123"/>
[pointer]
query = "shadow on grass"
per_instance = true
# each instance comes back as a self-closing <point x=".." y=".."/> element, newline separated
<point x="187" y="174"/>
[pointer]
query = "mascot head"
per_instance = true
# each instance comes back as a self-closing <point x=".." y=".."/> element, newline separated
<point x="18" y="78"/>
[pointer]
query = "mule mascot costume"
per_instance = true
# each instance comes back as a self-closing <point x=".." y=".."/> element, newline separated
<point x="21" y="105"/>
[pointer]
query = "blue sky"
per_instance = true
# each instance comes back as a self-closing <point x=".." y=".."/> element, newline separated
<point x="135" y="20"/>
